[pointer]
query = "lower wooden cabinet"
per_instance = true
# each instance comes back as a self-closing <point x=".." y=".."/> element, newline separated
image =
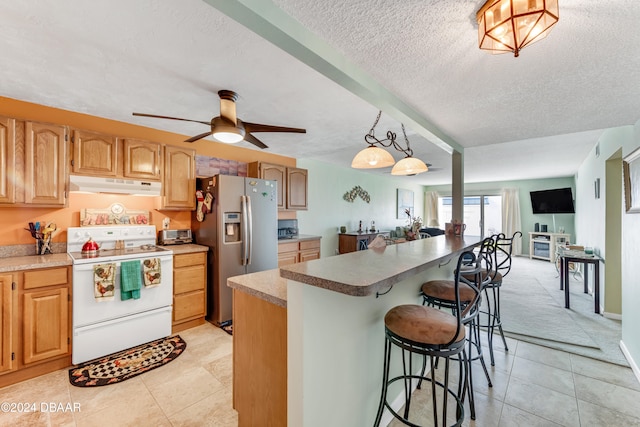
<point x="189" y="290"/>
<point x="8" y="310"/>
<point x="298" y="251"/>
<point x="36" y="323"/>
<point x="45" y="317"/>
<point x="351" y="242"/>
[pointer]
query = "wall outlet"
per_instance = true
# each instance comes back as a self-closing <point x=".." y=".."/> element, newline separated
<point x="165" y="223"/>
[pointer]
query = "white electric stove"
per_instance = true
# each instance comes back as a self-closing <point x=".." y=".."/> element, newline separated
<point x="104" y="326"/>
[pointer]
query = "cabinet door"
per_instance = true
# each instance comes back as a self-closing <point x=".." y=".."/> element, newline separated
<point x="7" y="160"/>
<point x="46" y="324"/>
<point x="95" y="154"/>
<point x="141" y="159"/>
<point x="347" y="243"/>
<point x="296" y="189"/>
<point x="7" y="308"/>
<point x="179" y="183"/>
<point x="276" y="173"/>
<point x="45" y="164"/>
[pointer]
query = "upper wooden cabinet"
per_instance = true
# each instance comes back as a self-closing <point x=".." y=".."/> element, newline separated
<point x="45" y="171"/>
<point x="179" y="183"/>
<point x="291" y="183"/>
<point x="94" y="154"/>
<point x="98" y="154"/>
<point x="33" y="163"/>
<point x="296" y="189"/>
<point x="8" y="163"/>
<point x="271" y="172"/>
<point x="142" y="159"/>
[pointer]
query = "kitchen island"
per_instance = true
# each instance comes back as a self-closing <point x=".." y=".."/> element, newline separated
<point x="309" y="337"/>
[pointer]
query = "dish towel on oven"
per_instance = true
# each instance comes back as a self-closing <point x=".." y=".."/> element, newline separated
<point x="103" y="278"/>
<point x="130" y="282"/>
<point x="151" y="272"/>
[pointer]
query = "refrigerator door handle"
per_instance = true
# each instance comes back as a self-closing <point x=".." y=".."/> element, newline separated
<point x="250" y="229"/>
<point x="244" y="231"/>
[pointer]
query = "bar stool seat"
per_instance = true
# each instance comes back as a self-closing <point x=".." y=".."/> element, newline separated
<point x="421" y="325"/>
<point x="443" y="290"/>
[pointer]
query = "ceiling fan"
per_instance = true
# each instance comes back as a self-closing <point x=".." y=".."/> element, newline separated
<point x="227" y="127"/>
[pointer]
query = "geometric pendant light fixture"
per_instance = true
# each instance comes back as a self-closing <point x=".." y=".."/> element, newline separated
<point x="375" y="157"/>
<point x="510" y="25"/>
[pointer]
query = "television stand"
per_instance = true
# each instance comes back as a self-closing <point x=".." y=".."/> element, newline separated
<point x="543" y="245"/>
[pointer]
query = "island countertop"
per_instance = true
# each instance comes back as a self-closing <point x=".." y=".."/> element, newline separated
<point x="364" y="273"/>
<point x="359" y="273"/>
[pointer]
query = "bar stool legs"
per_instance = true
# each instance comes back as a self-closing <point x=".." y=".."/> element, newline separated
<point x="424" y="331"/>
<point x="493" y="318"/>
<point x="408" y="377"/>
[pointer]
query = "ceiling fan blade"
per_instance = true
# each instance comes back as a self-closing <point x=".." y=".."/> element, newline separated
<point x="255" y="141"/>
<point x="256" y="127"/>
<point x="170" y="118"/>
<point x="197" y="137"/>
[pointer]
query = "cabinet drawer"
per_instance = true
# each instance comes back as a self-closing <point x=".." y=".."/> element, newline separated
<point x="188" y="305"/>
<point x="309" y="255"/>
<point x="287" y="247"/>
<point x="188" y="279"/>
<point x="309" y="244"/>
<point x="185" y="260"/>
<point x="46" y="277"/>
<point x="287" y="258"/>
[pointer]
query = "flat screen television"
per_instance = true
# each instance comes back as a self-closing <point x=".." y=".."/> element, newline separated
<point x="556" y="201"/>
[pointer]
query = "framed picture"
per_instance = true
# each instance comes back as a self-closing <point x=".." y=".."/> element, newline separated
<point x="631" y="167"/>
<point x="405" y="201"/>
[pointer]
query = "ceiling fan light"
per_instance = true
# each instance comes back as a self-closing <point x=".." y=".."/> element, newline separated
<point x="372" y="158"/>
<point x="226" y="131"/>
<point x="228" y="137"/>
<point x="409" y="166"/>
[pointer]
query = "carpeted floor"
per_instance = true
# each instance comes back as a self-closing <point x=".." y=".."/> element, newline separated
<point x="532" y="307"/>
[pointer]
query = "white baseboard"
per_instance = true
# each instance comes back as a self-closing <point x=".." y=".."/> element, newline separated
<point x="614" y="316"/>
<point x="632" y="363"/>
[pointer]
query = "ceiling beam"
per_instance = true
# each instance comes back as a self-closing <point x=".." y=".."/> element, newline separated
<point x="279" y="28"/>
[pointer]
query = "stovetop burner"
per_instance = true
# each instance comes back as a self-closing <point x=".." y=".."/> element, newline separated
<point x="138" y="242"/>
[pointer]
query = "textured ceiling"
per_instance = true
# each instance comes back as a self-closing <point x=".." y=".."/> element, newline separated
<point x="534" y="116"/>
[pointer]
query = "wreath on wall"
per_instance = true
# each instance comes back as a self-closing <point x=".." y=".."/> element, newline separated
<point x="356" y="191"/>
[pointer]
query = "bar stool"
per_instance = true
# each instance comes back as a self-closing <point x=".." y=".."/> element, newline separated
<point x="441" y="294"/>
<point x="428" y="331"/>
<point x="503" y="260"/>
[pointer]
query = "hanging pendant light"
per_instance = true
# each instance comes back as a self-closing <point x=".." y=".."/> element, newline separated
<point x="375" y="157"/>
<point x="510" y="25"/>
<point x="409" y="166"/>
<point x="371" y="158"/>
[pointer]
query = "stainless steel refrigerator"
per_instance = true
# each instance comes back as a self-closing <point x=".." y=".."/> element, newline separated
<point x="241" y="231"/>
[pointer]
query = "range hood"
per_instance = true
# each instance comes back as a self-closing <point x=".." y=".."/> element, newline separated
<point x="92" y="184"/>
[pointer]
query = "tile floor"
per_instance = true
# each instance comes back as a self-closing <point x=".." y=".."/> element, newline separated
<point x="192" y="390"/>
<point x="533" y="386"/>
<point x="539" y="386"/>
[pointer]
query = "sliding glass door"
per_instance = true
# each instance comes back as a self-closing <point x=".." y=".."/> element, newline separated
<point x="482" y="214"/>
